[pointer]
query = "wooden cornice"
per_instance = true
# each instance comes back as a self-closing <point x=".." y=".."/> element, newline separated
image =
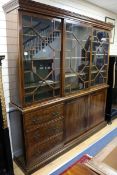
<point x="32" y="6"/>
<point x="11" y="5"/>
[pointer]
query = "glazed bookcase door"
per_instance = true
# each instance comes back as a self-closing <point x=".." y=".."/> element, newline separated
<point x="41" y="57"/>
<point x="77" y="56"/>
<point x="100" y="50"/>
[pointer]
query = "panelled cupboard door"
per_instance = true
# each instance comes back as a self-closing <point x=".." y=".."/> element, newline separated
<point x="97" y="107"/>
<point x="75" y="118"/>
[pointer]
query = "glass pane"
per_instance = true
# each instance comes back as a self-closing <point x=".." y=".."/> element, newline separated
<point x="42" y="47"/>
<point x="100" y="46"/>
<point x="98" y="80"/>
<point x="77" y="56"/>
<point x="26" y="20"/>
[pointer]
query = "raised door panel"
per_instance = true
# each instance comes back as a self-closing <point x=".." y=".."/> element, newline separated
<point x="76" y="118"/>
<point x="97" y="108"/>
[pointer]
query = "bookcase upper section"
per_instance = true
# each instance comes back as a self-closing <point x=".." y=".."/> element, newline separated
<point x="60" y="52"/>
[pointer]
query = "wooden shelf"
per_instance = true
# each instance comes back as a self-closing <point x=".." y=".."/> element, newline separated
<point x="76" y="58"/>
<point x="98" y="53"/>
<point x="34" y="85"/>
<point x="42" y="91"/>
<point x="74" y="74"/>
<point x="94" y="72"/>
<point x="70" y="75"/>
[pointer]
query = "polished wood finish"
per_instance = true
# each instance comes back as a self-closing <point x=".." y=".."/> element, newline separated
<point x="55" y="152"/>
<point x="54" y="125"/>
<point x="43" y="131"/>
<point x="52" y="130"/>
<point x="32" y="6"/>
<point x="38" y="117"/>
<point x="39" y="151"/>
<point x="79" y="169"/>
<point x="76" y="117"/>
<point x="84" y="113"/>
<point x="97" y="108"/>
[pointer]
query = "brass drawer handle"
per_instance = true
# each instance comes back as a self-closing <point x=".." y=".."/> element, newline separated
<point x="55" y="113"/>
<point x="36" y="121"/>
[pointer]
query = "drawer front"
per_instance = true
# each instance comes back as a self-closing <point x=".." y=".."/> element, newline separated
<point x="33" y="119"/>
<point x="38" y="151"/>
<point x="44" y="131"/>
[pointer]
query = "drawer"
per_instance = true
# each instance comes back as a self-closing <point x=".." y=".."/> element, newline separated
<point x="44" y="131"/>
<point x="41" y="150"/>
<point x="33" y="119"/>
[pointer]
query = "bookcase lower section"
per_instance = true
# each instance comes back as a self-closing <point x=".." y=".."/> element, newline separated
<point x="51" y="130"/>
